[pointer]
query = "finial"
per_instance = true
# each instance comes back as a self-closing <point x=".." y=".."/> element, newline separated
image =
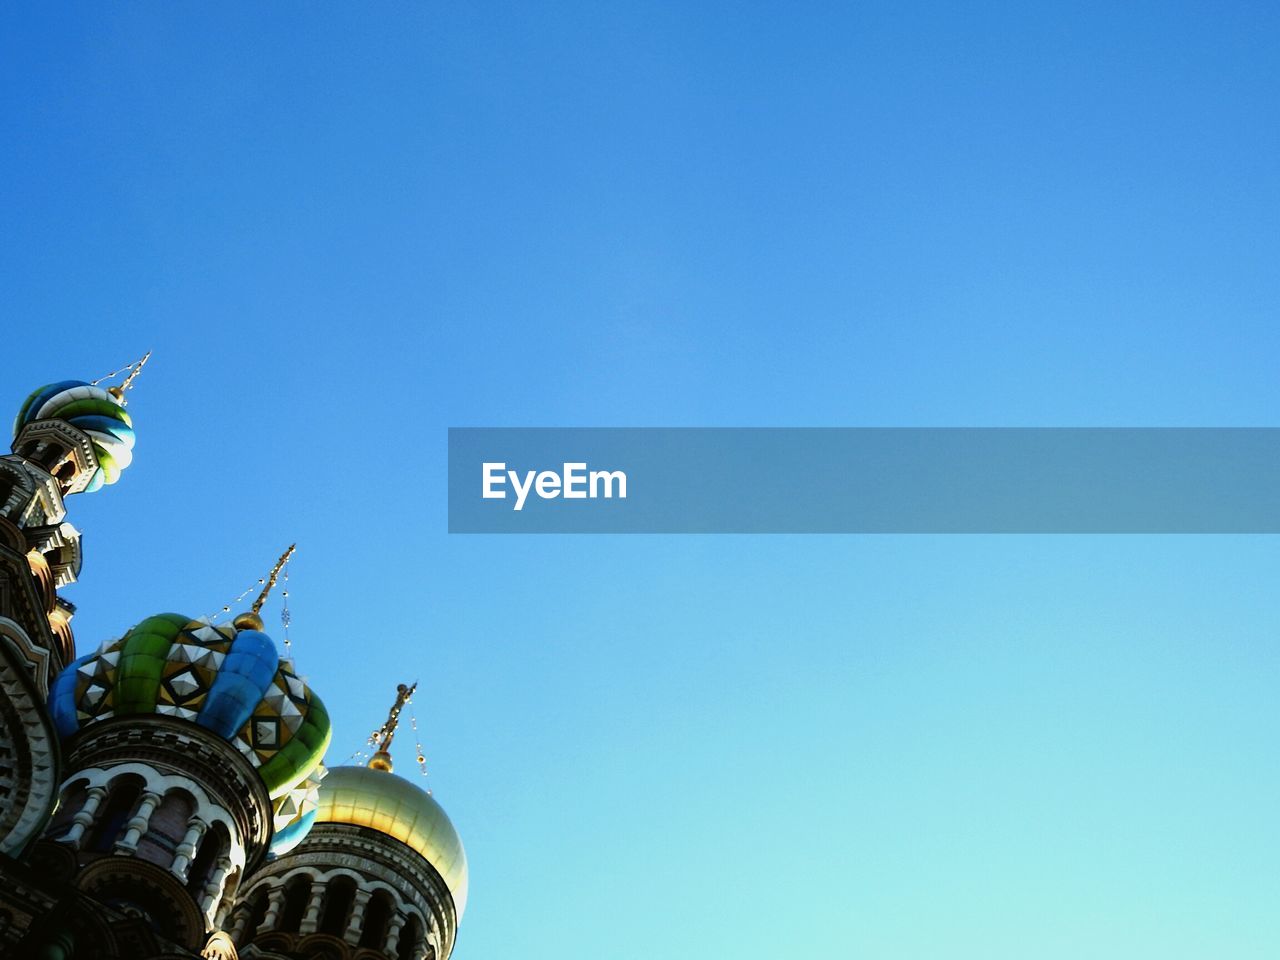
<point x="134" y="369"/>
<point x="251" y="620"/>
<point x="382" y="758"/>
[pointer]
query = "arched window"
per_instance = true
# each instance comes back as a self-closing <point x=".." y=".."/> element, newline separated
<point x="339" y="895"/>
<point x="377" y="915"/>
<point x="65" y="472"/>
<point x="122" y="799"/>
<point x="69" y="804"/>
<point x="410" y="940"/>
<point x="257" y="913"/>
<point x="215" y="843"/>
<point x="297" y="891"/>
<point x="166" y="828"/>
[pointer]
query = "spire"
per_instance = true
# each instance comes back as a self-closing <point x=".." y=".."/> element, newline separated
<point x="251" y="620"/>
<point x="382" y="737"/>
<point x="134" y="369"/>
<point x="271" y="578"/>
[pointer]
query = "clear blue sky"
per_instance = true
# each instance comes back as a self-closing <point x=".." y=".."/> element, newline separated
<point x="345" y="228"/>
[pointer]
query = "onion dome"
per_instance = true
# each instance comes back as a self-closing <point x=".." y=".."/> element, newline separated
<point x="226" y="678"/>
<point x="97" y="412"/>
<point x="379" y="800"/>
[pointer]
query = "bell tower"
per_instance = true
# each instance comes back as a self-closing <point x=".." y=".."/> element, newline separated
<point x="69" y="437"/>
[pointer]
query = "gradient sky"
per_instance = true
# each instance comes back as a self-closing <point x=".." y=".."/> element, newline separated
<point x="345" y="228"/>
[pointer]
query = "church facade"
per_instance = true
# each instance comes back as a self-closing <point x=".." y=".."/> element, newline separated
<point x="164" y="795"/>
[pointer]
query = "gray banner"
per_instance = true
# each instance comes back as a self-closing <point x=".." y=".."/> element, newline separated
<point x="864" y="480"/>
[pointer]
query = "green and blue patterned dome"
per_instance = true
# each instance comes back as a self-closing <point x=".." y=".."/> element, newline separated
<point x="93" y="410"/>
<point x="230" y="681"/>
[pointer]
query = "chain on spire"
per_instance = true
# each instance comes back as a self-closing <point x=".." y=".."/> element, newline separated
<point x="417" y="737"/>
<point x="286" y="617"/>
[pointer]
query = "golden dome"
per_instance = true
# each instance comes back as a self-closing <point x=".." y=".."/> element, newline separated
<point x="394" y="806"/>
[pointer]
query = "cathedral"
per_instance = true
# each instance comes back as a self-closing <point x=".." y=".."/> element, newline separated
<point x="164" y="795"/>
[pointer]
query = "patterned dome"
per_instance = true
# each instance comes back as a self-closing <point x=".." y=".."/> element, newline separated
<point x="394" y="806"/>
<point x="231" y="682"/>
<point x="294" y="813"/>
<point x="93" y="410"/>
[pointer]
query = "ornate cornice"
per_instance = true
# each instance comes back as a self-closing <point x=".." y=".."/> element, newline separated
<point x="23" y="600"/>
<point x="32" y="497"/>
<point x="71" y="439"/>
<point x="30" y="780"/>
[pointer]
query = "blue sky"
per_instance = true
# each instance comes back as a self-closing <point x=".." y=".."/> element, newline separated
<point x="345" y="229"/>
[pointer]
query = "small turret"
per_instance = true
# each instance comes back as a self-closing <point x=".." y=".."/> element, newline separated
<point x="78" y="433"/>
<point x="192" y="754"/>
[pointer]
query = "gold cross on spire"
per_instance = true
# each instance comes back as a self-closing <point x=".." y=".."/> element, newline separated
<point x="381" y="760"/>
<point x="271" y="578"/>
<point x="251" y="620"/>
<point x="134" y="369"/>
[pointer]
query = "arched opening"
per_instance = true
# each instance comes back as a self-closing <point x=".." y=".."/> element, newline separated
<point x="339" y="895"/>
<point x="69" y="804"/>
<point x="65" y="473"/>
<point x="257" y="907"/>
<point x="43" y="451"/>
<point x="411" y="938"/>
<point x="215" y="843"/>
<point x="122" y="799"/>
<point x="166" y="828"/>
<point x="377" y="916"/>
<point x="297" y="891"/>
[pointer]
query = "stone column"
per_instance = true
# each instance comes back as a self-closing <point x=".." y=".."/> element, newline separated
<point x="135" y="827"/>
<point x="240" y="915"/>
<point x="186" y="850"/>
<point x="213" y="889"/>
<point x="226" y="903"/>
<point x="275" y="900"/>
<point x="84" y="817"/>
<point x="311" y="919"/>
<point x="356" y="921"/>
<point x="393" y="933"/>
